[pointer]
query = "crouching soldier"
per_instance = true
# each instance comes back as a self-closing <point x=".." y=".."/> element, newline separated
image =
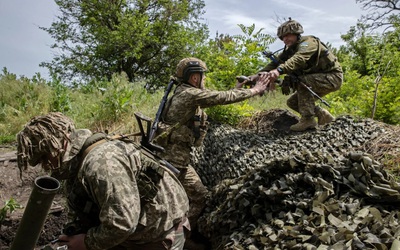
<point x="119" y="195"/>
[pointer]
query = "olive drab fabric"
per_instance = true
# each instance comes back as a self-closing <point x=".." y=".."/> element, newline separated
<point x="150" y="172"/>
<point x="118" y="194"/>
<point x="314" y="65"/>
<point x="322" y="84"/>
<point x="183" y="125"/>
<point x="309" y="55"/>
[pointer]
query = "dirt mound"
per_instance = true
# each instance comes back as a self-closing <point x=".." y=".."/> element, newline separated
<point x="276" y="121"/>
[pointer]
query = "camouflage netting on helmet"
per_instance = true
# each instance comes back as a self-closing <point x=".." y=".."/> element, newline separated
<point x="310" y="190"/>
<point x="289" y="27"/>
<point x="43" y="135"/>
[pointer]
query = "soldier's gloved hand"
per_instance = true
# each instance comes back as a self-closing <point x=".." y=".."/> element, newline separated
<point x="73" y="241"/>
<point x="274" y="74"/>
<point x="241" y="81"/>
<point x="285" y="88"/>
<point x="271" y="86"/>
<point x="255" y="77"/>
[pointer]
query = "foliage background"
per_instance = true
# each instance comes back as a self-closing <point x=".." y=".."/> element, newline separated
<point x="116" y="59"/>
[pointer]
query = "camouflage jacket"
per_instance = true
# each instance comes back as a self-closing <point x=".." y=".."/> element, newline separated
<point x="108" y="178"/>
<point x="309" y="55"/>
<point x="176" y="130"/>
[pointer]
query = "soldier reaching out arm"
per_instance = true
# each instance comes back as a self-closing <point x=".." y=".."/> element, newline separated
<point x="183" y="124"/>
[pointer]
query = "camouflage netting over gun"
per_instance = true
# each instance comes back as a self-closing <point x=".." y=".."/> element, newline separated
<point x="310" y="190"/>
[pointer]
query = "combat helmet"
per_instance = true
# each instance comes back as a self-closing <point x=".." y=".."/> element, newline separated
<point x="289" y="27"/>
<point x="44" y="135"/>
<point x="188" y="66"/>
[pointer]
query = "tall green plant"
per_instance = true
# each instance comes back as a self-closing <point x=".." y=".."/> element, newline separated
<point x="229" y="56"/>
<point x="61" y="100"/>
<point x="20" y="99"/>
<point x="117" y="99"/>
<point x="9" y="207"/>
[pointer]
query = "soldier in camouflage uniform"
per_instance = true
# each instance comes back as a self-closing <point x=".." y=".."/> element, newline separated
<point x="183" y="124"/>
<point x="310" y="62"/>
<point x="119" y="196"/>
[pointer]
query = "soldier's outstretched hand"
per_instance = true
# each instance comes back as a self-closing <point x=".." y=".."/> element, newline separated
<point x="262" y="84"/>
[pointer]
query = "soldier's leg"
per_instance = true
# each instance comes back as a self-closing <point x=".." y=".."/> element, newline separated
<point x="293" y="102"/>
<point x="305" y="102"/>
<point x="323" y="84"/>
<point x="196" y="192"/>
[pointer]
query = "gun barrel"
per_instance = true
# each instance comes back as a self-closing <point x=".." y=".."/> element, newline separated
<point x="35" y="213"/>
<point x="315" y="94"/>
<point x="242" y="78"/>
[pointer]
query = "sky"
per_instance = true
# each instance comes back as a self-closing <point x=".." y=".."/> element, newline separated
<point x="23" y="46"/>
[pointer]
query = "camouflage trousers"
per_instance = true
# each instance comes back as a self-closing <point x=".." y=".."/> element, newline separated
<point x="303" y="101"/>
<point x="178" y="155"/>
<point x="174" y="239"/>
<point x="196" y="192"/>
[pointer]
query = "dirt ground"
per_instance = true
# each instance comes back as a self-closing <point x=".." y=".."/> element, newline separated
<point x="12" y="186"/>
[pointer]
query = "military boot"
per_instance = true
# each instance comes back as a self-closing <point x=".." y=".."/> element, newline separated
<point x="304" y="123"/>
<point x="323" y="115"/>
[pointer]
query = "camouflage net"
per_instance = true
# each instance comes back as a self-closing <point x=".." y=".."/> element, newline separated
<point x="311" y="190"/>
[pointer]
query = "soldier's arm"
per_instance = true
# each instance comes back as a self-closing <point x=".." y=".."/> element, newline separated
<point x="208" y="98"/>
<point x="300" y="59"/>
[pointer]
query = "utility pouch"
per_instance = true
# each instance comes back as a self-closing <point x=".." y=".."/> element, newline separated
<point x="196" y="126"/>
<point x="148" y="178"/>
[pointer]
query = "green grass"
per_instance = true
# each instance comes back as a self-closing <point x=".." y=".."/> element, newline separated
<point x="108" y="105"/>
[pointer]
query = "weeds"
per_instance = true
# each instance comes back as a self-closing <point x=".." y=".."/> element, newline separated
<point x="9" y="207"/>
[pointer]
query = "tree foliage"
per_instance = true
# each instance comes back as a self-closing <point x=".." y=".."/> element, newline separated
<point x="229" y="56"/>
<point x="372" y="71"/>
<point x="143" y="38"/>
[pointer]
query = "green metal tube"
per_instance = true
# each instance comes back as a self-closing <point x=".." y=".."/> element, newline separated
<point x="35" y="213"/>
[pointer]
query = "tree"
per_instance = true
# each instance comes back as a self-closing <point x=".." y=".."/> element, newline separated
<point x="359" y="48"/>
<point x="143" y="38"/>
<point x="381" y="13"/>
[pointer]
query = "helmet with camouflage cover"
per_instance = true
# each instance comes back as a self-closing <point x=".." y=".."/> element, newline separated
<point x="42" y="139"/>
<point x="289" y="27"/>
<point x="188" y="66"/>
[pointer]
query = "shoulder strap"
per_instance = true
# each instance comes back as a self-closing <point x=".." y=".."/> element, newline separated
<point x="95" y="140"/>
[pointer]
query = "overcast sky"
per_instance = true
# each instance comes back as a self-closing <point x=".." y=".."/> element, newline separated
<point x="23" y="45"/>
